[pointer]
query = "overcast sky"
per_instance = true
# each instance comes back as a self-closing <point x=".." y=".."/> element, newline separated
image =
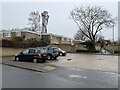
<point x="15" y="15"/>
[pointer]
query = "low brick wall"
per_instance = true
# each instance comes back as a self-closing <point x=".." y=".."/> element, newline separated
<point x="73" y="48"/>
<point x="69" y="47"/>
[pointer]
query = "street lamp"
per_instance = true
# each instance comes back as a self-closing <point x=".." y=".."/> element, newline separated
<point x="113" y="33"/>
<point x="113" y="39"/>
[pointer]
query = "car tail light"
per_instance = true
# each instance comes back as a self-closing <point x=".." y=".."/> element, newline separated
<point x="39" y="54"/>
<point x="44" y="55"/>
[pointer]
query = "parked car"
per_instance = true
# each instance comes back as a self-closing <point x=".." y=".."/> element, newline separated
<point x="61" y="52"/>
<point x="32" y="54"/>
<point x="52" y="53"/>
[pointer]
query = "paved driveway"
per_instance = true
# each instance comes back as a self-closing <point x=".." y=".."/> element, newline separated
<point x="88" y="61"/>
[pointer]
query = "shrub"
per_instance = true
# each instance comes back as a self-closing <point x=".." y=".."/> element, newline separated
<point x="18" y="42"/>
<point x="89" y="45"/>
<point x="87" y="51"/>
<point x="7" y="43"/>
<point x="17" y="39"/>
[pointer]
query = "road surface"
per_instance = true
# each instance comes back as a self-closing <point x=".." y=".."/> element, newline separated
<point x="60" y="78"/>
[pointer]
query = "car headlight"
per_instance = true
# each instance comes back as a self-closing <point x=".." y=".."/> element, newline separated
<point x="16" y="54"/>
<point x="64" y="51"/>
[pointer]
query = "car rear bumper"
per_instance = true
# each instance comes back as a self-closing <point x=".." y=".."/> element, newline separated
<point x="41" y="57"/>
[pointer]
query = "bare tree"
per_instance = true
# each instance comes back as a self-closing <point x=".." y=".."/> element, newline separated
<point x="80" y="36"/>
<point x="91" y="19"/>
<point x="34" y="18"/>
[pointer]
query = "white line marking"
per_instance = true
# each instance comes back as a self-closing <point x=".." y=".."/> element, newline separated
<point x="77" y="76"/>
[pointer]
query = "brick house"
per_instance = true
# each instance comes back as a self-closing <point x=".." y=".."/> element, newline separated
<point x="53" y="38"/>
<point x="9" y="34"/>
<point x="56" y="39"/>
<point x="63" y="42"/>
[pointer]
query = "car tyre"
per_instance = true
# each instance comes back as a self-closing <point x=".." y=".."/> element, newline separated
<point x="63" y="54"/>
<point x="49" y="57"/>
<point x="35" y="60"/>
<point x="17" y="59"/>
<point x="60" y="54"/>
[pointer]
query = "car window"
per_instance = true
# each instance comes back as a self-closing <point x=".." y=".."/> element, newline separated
<point x="44" y="48"/>
<point x="25" y="51"/>
<point x="31" y="50"/>
<point x="41" y="51"/>
<point x="56" y="49"/>
<point x="50" y="49"/>
<point x="38" y="51"/>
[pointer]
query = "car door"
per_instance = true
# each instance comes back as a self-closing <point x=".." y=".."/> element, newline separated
<point x="25" y="54"/>
<point x="55" y="51"/>
<point x="31" y="54"/>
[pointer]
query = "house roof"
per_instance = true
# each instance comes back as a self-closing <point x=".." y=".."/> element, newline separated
<point x="38" y="33"/>
<point x="20" y="30"/>
<point x="56" y="35"/>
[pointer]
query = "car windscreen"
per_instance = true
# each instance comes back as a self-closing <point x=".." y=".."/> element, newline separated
<point x="59" y="49"/>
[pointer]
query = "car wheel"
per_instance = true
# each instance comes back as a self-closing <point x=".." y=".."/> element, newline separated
<point x="60" y="54"/>
<point x="17" y="59"/>
<point x="35" y="60"/>
<point x="49" y="57"/>
<point x="55" y="58"/>
<point x="63" y="54"/>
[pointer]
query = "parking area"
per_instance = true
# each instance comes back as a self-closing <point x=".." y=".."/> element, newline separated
<point x="85" y="61"/>
<point x="88" y="61"/>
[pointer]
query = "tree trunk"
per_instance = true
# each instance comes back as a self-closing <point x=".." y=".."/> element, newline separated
<point x="93" y="45"/>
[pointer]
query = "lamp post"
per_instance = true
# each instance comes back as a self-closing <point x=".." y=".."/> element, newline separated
<point x="113" y="39"/>
<point x="113" y="33"/>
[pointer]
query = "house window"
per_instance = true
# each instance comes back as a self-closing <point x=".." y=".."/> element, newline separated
<point x="68" y="39"/>
<point x="7" y="34"/>
<point x="1" y="35"/>
<point x="18" y="34"/>
<point x="65" y="39"/>
<point x="62" y="39"/>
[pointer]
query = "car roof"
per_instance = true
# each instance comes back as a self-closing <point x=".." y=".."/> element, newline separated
<point x="35" y="48"/>
<point x="31" y="48"/>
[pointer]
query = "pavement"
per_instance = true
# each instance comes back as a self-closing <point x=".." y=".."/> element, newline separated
<point x="39" y="67"/>
<point x="13" y="77"/>
<point x="106" y="63"/>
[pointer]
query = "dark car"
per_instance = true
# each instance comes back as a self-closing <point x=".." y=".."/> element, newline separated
<point x="32" y="54"/>
<point x="61" y="52"/>
<point x="52" y="53"/>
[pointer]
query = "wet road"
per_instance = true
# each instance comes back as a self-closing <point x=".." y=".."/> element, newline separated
<point x="60" y="78"/>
